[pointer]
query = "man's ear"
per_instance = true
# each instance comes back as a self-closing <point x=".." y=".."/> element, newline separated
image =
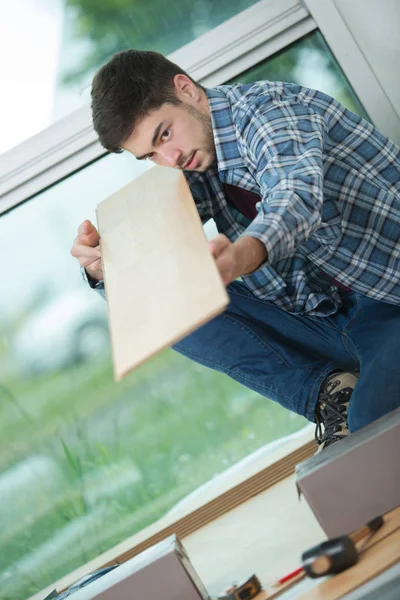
<point x="185" y="88"/>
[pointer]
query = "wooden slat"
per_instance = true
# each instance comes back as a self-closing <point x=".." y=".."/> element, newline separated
<point x="223" y="503"/>
<point x="160" y="277"/>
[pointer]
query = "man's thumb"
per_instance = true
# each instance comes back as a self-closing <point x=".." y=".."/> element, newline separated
<point x="85" y="228"/>
<point x="88" y="234"/>
<point x="217" y="245"/>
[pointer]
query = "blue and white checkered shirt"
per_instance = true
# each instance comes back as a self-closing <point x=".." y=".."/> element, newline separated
<point x="329" y="184"/>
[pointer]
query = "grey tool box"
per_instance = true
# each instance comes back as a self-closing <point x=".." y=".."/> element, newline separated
<point x="356" y="479"/>
<point x="163" y="571"/>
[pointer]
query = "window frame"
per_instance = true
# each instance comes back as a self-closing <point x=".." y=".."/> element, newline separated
<point x="360" y="75"/>
<point x="70" y="144"/>
<point x="245" y="39"/>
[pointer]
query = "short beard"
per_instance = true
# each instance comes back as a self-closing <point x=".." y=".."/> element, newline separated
<point x="205" y="120"/>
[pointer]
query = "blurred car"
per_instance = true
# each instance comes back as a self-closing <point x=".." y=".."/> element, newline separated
<point x="70" y="329"/>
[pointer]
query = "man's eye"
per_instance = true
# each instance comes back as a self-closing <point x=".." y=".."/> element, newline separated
<point x="165" y="135"/>
<point x="150" y="156"/>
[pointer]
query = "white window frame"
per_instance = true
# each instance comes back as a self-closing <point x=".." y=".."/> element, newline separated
<point x="362" y="79"/>
<point x="234" y="46"/>
<point x="71" y="143"/>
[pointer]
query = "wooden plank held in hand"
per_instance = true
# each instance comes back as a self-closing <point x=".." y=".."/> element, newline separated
<point x="161" y="280"/>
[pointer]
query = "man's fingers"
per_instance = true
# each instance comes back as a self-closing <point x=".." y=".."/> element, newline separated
<point x="218" y="244"/>
<point x="86" y="249"/>
<point x="79" y="249"/>
<point x="89" y="262"/>
<point x="90" y="265"/>
<point x="224" y="265"/>
<point x="222" y="250"/>
<point x="213" y="249"/>
<point x="82" y="251"/>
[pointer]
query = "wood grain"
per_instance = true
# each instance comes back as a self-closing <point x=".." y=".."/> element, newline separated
<point x="161" y="280"/>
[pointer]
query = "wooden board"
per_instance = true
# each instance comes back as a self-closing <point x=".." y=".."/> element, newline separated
<point x="160" y="278"/>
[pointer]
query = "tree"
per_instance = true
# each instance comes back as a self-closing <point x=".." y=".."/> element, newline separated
<point x="109" y="26"/>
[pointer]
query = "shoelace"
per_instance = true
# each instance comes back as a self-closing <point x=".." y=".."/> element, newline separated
<point x="330" y="416"/>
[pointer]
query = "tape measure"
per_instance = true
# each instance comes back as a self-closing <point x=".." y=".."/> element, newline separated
<point x="244" y="591"/>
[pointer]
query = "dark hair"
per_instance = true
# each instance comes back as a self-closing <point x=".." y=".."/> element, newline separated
<point x="126" y="88"/>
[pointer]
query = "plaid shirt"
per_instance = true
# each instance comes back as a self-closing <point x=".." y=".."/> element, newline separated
<point x="329" y="184"/>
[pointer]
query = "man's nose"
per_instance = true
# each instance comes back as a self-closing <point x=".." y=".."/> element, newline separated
<point x="171" y="156"/>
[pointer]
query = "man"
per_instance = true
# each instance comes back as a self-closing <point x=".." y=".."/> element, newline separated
<point x="306" y="197"/>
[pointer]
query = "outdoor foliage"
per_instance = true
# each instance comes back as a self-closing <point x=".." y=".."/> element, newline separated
<point x="103" y="460"/>
<point x="161" y="25"/>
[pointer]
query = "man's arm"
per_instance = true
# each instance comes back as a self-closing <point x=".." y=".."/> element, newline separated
<point x="283" y="148"/>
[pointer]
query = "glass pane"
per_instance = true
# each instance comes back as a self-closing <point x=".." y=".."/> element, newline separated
<point x="53" y="47"/>
<point x="307" y="62"/>
<point x="85" y="462"/>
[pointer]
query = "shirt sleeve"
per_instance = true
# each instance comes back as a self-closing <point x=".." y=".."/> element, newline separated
<point x="284" y="147"/>
<point x="95" y="285"/>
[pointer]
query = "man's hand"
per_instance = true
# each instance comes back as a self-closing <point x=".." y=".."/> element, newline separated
<point x="87" y="250"/>
<point x="238" y="258"/>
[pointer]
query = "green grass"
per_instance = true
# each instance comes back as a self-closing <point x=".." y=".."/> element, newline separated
<point x="124" y="453"/>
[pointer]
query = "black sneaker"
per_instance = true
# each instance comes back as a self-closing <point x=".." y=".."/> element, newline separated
<point x="331" y="410"/>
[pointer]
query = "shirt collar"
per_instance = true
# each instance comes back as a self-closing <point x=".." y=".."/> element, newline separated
<point x="224" y="130"/>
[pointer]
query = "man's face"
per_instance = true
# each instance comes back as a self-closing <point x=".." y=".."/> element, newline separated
<point x="178" y="136"/>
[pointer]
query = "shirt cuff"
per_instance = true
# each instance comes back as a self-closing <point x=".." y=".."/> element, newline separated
<point x="272" y="237"/>
<point x="94" y="284"/>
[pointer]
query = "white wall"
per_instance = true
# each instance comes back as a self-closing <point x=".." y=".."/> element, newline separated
<point x="375" y="25"/>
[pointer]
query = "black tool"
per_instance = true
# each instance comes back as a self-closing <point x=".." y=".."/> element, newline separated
<point x="243" y="591"/>
<point x="338" y="554"/>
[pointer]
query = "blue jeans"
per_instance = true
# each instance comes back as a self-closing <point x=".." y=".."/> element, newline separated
<point x="286" y="357"/>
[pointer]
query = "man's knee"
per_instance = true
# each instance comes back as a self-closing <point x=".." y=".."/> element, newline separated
<point x="374" y="396"/>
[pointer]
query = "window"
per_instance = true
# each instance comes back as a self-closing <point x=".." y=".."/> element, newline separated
<point x="53" y="48"/>
<point x="85" y="462"/>
<point x="307" y="62"/>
